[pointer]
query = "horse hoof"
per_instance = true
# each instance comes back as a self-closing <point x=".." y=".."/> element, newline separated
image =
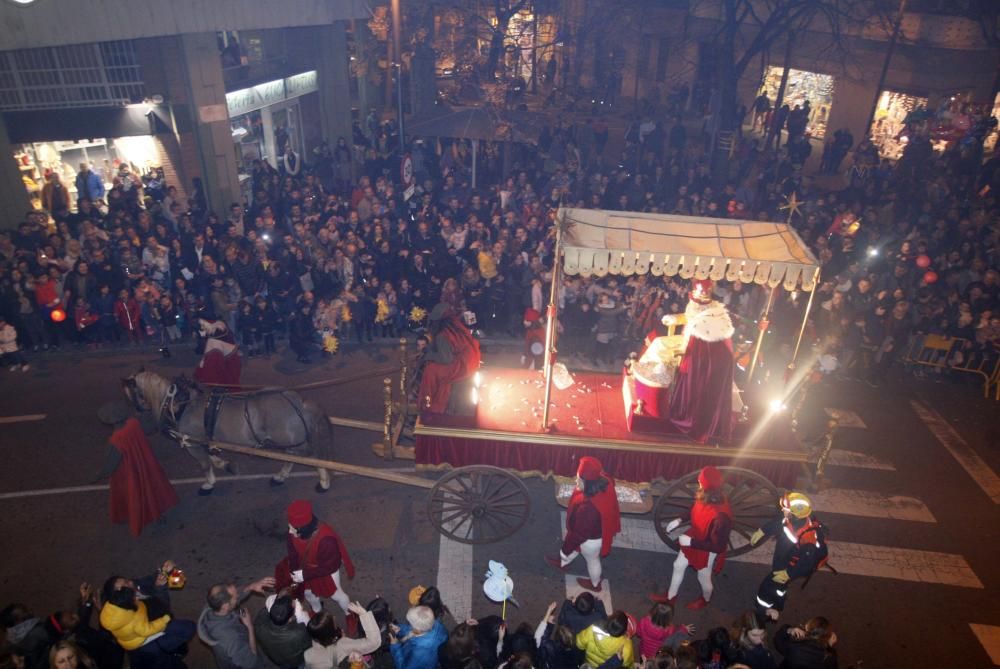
<point x="321" y="490"/>
<point x="205" y="492"/>
<point x="276" y="483"/>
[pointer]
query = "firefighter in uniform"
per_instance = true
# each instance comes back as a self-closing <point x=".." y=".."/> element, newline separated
<point x="799" y="551"/>
<point x="703" y="545"/>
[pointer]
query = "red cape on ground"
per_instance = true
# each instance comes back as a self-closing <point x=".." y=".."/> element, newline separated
<point x="140" y="489"/>
<point x="437" y="378"/>
<point x="701" y="399"/>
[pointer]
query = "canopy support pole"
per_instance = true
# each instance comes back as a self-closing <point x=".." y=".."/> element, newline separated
<point x="764" y="323"/>
<point x="552" y="316"/>
<point x="805" y="318"/>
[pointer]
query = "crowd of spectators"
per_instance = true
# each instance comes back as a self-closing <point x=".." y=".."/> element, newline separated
<point x="906" y="248"/>
<point x="136" y="621"/>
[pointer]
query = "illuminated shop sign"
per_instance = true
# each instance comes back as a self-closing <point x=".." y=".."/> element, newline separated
<point x="266" y="94"/>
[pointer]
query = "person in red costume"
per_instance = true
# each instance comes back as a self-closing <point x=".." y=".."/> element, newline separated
<point x="703" y="545"/>
<point x="140" y="490"/>
<point x="701" y="397"/>
<point x="221" y="363"/>
<point x="451" y="355"/>
<point x="534" y="340"/>
<point x="315" y="553"/>
<point x="592" y="521"/>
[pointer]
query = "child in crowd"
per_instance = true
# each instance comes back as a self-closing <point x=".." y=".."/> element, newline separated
<point x="169" y="318"/>
<point x="104" y="307"/>
<point x="248" y="327"/>
<point x="656" y="628"/>
<point x="10" y="354"/>
<point x="85" y="321"/>
<point x="267" y="321"/>
<point x="129" y="316"/>
<point x="150" y="310"/>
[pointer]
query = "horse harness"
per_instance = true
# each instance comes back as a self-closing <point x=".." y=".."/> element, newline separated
<point x="178" y="397"/>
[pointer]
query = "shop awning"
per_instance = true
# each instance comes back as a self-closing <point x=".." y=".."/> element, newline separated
<point x="599" y="242"/>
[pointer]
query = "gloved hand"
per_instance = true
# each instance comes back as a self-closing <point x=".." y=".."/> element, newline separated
<point x="780" y="577"/>
<point x="673" y="524"/>
<point x="684" y="540"/>
<point x="297" y="576"/>
<point x="756" y="537"/>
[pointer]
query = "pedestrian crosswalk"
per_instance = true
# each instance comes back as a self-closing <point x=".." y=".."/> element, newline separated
<point x="909" y="563"/>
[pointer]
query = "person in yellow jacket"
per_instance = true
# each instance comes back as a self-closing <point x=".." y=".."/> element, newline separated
<point x="126" y="615"/>
<point x="601" y="641"/>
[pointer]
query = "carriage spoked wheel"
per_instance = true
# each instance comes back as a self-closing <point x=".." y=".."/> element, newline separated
<point x="752" y="498"/>
<point x="479" y="504"/>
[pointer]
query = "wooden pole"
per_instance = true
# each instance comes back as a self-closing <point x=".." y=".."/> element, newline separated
<point x="552" y="314"/>
<point x="387" y="425"/>
<point x="805" y="317"/>
<point x="764" y="324"/>
<point x="403" y="398"/>
<point x="344" y="468"/>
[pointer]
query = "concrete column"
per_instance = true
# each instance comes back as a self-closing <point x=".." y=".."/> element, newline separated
<point x="334" y="82"/>
<point x="12" y="192"/>
<point x="207" y="105"/>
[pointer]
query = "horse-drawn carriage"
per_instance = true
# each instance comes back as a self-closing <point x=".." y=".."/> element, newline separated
<point x="521" y="427"/>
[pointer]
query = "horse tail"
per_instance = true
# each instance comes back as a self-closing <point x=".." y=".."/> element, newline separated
<point x="320" y="431"/>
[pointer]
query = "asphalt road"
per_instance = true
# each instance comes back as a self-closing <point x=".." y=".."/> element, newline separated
<point x="915" y="535"/>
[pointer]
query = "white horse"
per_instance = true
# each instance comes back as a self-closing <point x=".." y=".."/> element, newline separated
<point x="272" y="419"/>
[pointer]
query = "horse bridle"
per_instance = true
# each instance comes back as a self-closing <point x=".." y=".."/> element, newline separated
<point x="131" y="389"/>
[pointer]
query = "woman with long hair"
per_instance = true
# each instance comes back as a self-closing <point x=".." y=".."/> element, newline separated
<point x="810" y="646"/>
<point x="748" y="632"/>
<point x="67" y="655"/>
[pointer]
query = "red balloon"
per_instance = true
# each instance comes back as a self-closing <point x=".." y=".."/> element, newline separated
<point x="930" y="277"/>
<point x="923" y="262"/>
<point x="58" y="315"/>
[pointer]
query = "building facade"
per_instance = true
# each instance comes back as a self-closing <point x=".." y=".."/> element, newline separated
<point x="200" y="94"/>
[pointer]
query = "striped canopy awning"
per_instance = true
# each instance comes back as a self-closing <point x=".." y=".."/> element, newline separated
<point x="599" y="242"/>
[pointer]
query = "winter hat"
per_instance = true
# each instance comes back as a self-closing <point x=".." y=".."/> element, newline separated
<point x="415" y="594"/>
<point x="710" y="478"/>
<point x="590" y="469"/>
<point x="300" y="513"/>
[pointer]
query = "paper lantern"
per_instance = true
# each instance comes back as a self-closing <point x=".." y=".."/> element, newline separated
<point x="58" y="315"/>
<point x="930" y="277"/>
<point x="923" y="262"/>
<point x="176" y="579"/>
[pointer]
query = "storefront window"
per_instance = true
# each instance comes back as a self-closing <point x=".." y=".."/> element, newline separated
<point x="36" y="160"/>
<point x="890" y="121"/>
<point x="804" y="86"/>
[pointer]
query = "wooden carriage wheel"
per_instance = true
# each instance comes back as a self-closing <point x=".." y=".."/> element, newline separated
<point x="479" y="504"/>
<point x="753" y="499"/>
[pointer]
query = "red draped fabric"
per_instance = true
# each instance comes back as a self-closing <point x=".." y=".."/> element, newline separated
<point x="701" y="400"/>
<point x="561" y="460"/>
<point x="140" y="489"/>
<point x="437" y="378"/>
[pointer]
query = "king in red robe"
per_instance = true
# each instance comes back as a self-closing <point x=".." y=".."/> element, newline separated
<point x="701" y="397"/>
<point x="452" y="355"/>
